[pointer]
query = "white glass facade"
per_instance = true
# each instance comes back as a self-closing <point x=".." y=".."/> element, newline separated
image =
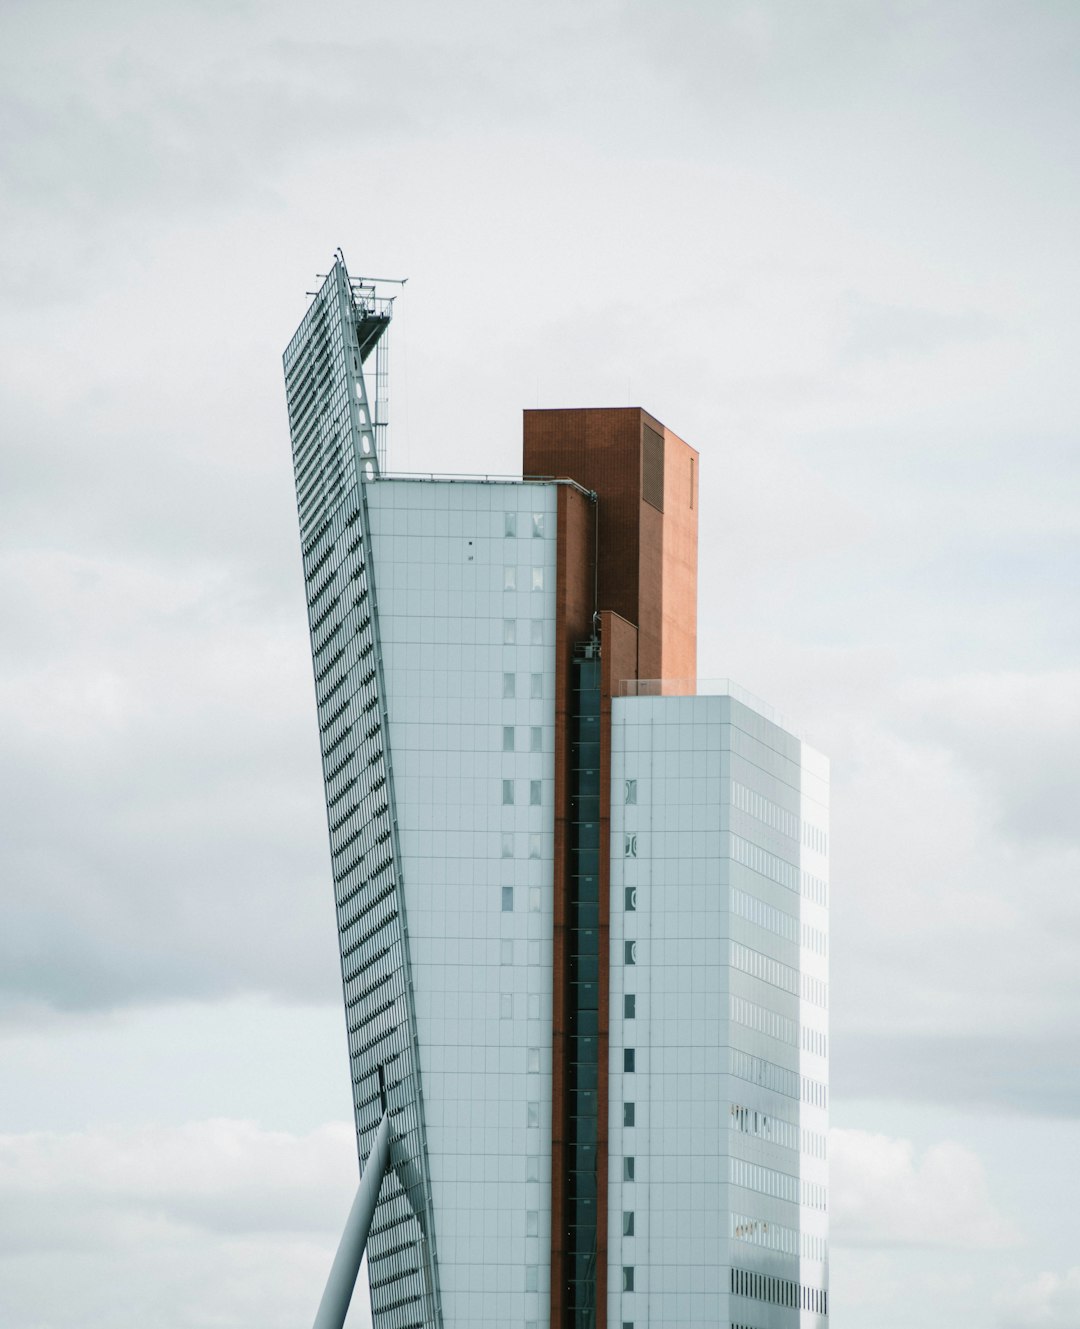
<point x="719" y="1025"/>
<point x="433" y="613"/>
<point x="465" y="582"/>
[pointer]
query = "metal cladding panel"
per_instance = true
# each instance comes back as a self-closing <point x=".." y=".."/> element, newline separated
<point x="467" y="587"/>
<point x="718" y="1063"/>
<point x="334" y="456"/>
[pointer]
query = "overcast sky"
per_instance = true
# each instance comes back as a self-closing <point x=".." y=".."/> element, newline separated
<point x="832" y="245"/>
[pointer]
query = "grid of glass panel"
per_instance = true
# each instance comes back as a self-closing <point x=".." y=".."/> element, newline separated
<point x="469" y="668"/>
<point x="331" y="436"/>
<point x="718" y="1068"/>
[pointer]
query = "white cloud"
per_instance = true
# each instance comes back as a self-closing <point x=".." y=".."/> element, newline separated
<point x="1050" y="1301"/>
<point x="883" y="1195"/>
<point x="216" y="1222"/>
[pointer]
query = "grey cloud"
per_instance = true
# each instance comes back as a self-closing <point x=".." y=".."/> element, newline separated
<point x="1029" y="1074"/>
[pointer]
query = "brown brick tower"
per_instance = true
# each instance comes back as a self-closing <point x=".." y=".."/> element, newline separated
<point x="626" y="609"/>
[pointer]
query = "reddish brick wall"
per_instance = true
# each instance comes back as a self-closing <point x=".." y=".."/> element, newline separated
<point x="645" y="578"/>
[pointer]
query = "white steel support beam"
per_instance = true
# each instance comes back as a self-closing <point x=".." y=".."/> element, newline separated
<point x="339" y="1286"/>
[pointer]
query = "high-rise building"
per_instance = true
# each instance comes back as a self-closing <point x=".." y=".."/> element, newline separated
<point x="581" y="896"/>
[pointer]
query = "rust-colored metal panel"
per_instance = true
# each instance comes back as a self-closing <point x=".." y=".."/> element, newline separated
<point x="643" y="583"/>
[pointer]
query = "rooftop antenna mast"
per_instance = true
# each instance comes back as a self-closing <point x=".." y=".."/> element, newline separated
<point x="373" y="313"/>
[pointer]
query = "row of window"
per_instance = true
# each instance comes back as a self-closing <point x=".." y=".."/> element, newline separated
<point x="758" y="806"/>
<point x="775" y="920"/>
<point x="813" y="1040"/>
<point x="764" y="915"/>
<point x="816" y="991"/>
<point x="533" y="524"/>
<point x="508" y="899"/>
<point x="778" y="1291"/>
<point x="535" y="845"/>
<point x="509" y="793"/>
<point x="780" y="1185"/>
<point x="535" y="581"/>
<point x="815" y="838"/>
<point x="536" y="686"/>
<point x="776" y="869"/>
<point x="761" y="1232"/>
<point x="762" y="1020"/>
<point x="764" y="967"/>
<point x="756" y="1070"/>
<point x="536" y="631"/>
<point x="509" y="738"/>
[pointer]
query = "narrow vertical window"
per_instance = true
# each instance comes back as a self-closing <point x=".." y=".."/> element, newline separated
<point x="628" y="1059"/>
<point x="538" y="525"/>
<point x="536" y="632"/>
<point x="510" y="579"/>
<point x="628" y="1223"/>
<point x="628" y="1278"/>
<point x="536" y="686"/>
<point x="508" y="899"/>
<point x="508" y="738"/>
<point x="629" y="1006"/>
<point x="532" y="1061"/>
<point x="507" y="792"/>
<point x="630" y="899"/>
<point x="628" y="1168"/>
<point x="538" y="579"/>
<point x="536" y="739"/>
<point x="628" y="1114"/>
<point x="630" y="791"/>
<point x="510" y="524"/>
<point x="509" y="631"/>
<point x="630" y="952"/>
<point x="534" y="793"/>
<point x="508" y="685"/>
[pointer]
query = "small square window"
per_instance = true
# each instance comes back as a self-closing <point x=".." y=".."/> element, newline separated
<point x="628" y="1223"/>
<point x="536" y="739"/>
<point x="628" y="1168"/>
<point x="629" y="1006"/>
<point x="508" y="899"/>
<point x="630" y="952"/>
<point x="628" y="1056"/>
<point x="628" y="1278"/>
<point x="630" y="899"/>
<point x="510" y="579"/>
<point x="506" y="952"/>
<point x="506" y="1006"/>
<point x="509" y="631"/>
<point x="509" y="685"/>
<point x="532" y="1114"/>
<point x="630" y="791"/>
<point x="508" y="738"/>
<point x="628" y="1114"/>
<point x="534" y="793"/>
<point x="507" y="792"/>
<point x="532" y="1061"/>
<point x="538" y="525"/>
<point x="538" y="579"/>
<point x="536" y="632"/>
<point x="510" y="524"/>
<point x="536" y="686"/>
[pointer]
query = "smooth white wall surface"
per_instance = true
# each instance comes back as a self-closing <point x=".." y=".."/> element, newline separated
<point x="443" y="562"/>
<point x="728" y="1141"/>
